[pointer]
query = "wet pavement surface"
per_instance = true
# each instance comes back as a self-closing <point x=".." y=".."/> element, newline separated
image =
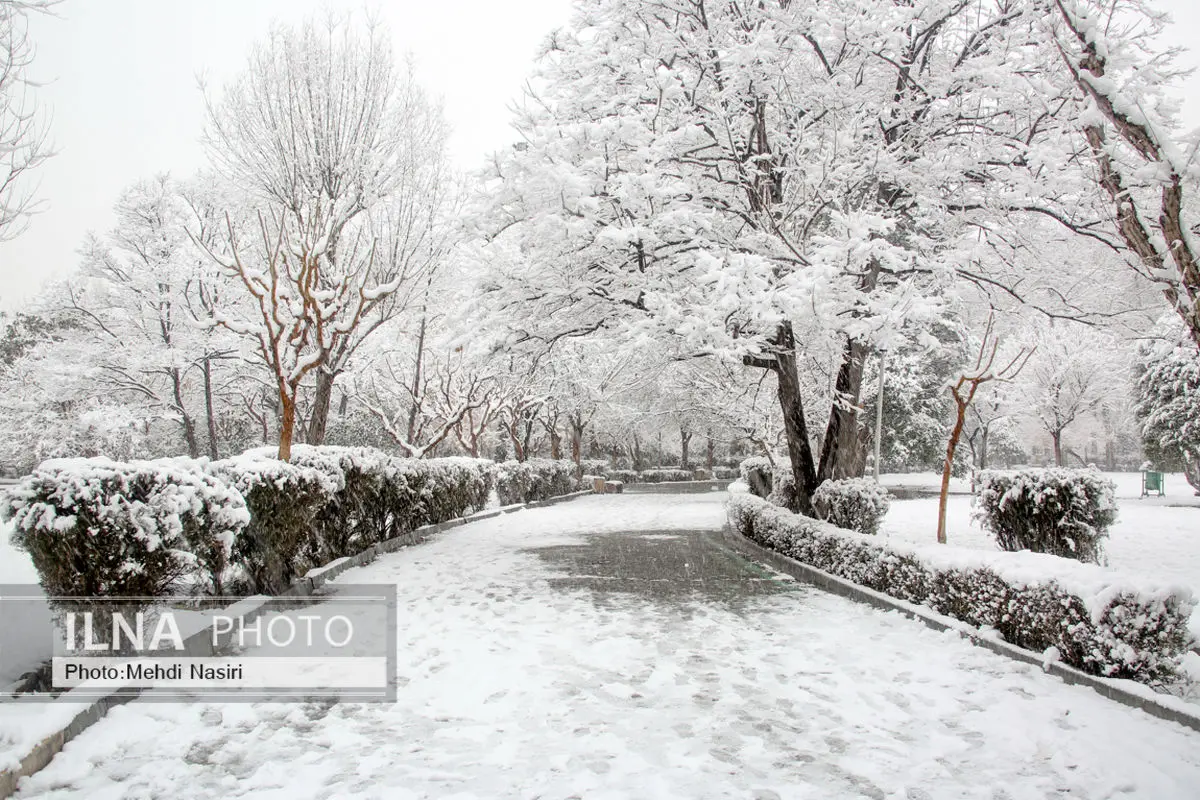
<point x="662" y="565"/>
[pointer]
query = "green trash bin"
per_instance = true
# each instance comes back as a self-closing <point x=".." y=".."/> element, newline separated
<point x="1152" y="482"/>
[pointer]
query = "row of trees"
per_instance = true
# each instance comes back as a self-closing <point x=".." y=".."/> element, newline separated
<point x="719" y="217"/>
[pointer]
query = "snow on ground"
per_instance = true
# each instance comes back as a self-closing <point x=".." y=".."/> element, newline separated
<point x="1151" y="538"/>
<point x="518" y="682"/>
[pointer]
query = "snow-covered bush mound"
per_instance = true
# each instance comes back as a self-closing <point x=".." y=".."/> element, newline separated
<point x="284" y="500"/>
<point x="758" y="474"/>
<point x="1099" y="621"/>
<point x="535" y="479"/>
<point x="140" y="529"/>
<point x="854" y="503"/>
<point x="725" y="473"/>
<point x="594" y="466"/>
<point x="1064" y="512"/>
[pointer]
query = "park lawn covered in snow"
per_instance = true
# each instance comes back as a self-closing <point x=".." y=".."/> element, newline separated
<point x="1154" y="537"/>
<point x="521" y="678"/>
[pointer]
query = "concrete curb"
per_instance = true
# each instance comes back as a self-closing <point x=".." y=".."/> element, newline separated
<point x="1129" y="693"/>
<point x="248" y="609"/>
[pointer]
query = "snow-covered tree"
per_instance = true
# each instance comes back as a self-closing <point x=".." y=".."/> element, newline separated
<point x="1168" y="401"/>
<point x="342" y="156"/>
<point x="725" y="177"/>
<point x="1113" y="56"/>
<point x="24" y="135"/>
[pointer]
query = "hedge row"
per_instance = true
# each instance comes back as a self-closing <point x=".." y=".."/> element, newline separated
<point x="251" y="523"/>
<point x="533" y="480"/>
<point x="1096" y="621"/>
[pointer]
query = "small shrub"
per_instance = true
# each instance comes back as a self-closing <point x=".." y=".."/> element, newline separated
<point x="858" y="504"/>
<point x="95" y="527"/>
<point x="1062" y="512"/>
<point x="665" y="475"/>
<point x="758" y="474"/>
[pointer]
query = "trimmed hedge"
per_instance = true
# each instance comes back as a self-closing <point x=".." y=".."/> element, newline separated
<point x="1096" y="621"/>
<point x="284" y="500"/>
<point x="857" y="504"/>
<point x="250" y="523"/>
<point x="533" y="480"/>
<point x="96" y="527"/>
<point x="1064" y="512"/>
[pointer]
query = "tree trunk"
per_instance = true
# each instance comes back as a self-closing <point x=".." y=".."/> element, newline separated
<point x="555" y="442"/>
<point x="949" y="465"/>
<point x="839" y="450"/>
<point x="794" y="425"/>
<point x="210" y="417"/>
<point x="710" y="454"/>
<point x="685" y="438"/>
<point x="983" y="447"/>
<point x="1056" y="436"/>
<point x="320" y="411"/>
<point x="287" y="424"/>
<point x="576" y="423"/>
<point x="416" y="384"/>
<point x="189" y="425"/>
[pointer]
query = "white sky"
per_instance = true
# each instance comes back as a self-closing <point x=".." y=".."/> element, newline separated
<point x="121" y="80"/>
<point x="122" y="84"/>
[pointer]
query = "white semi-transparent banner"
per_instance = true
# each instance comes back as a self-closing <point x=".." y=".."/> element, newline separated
<point x="290" y="672"/>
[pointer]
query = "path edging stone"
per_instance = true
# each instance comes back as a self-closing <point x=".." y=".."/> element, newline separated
<point x="247" y="610"/>
<point x="1127" y="693"/>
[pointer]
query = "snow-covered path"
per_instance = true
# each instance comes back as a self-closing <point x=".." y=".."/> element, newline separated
<point x="610" y="647"/>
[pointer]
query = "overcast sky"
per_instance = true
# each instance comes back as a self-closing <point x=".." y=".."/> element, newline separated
<point x="122" y="84"/>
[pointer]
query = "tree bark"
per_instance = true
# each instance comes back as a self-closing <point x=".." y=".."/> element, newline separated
<point x="577" y="425"/>
<point x="287" y="424"/>
<point x="1056" y="437"/>
<point x="951" y="447"/>
<point x="320" y="412"/>
<point x="189" y="425"/>
<point x="210" y="417"/>
<point x="840" y="457"/>
<point x="710" y="453"/>
<point x="685" y="438"/>
<point x="795" y="427"/>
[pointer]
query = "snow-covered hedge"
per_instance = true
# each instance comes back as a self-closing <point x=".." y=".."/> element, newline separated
<point x="855" y="503"/>
<point x="535" y="479"/>
<point x="724" y="473"/>
<point x="1096" y="620"/>
<point x="139" y="529"/>
<point x="284" y="500"/>
<point x="1064" y="512"/>
<point x="383" y="497"/>
<point x="247" y="523"/>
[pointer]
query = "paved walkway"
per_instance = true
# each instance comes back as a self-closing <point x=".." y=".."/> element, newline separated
<point x="611" y="647"/>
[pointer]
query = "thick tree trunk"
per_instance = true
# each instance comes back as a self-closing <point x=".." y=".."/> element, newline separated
<point x="794" y="425"/>
<point x="983" y="448"/>
<point x="210" y="417"/>
<point x="555" y="443"/>
<point x="320" y="412"/>
<point x="840" y="455"/>
<point x="685" y="439"/>
<point x="189" y="425"/>
<point x="1056" y="437"/>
